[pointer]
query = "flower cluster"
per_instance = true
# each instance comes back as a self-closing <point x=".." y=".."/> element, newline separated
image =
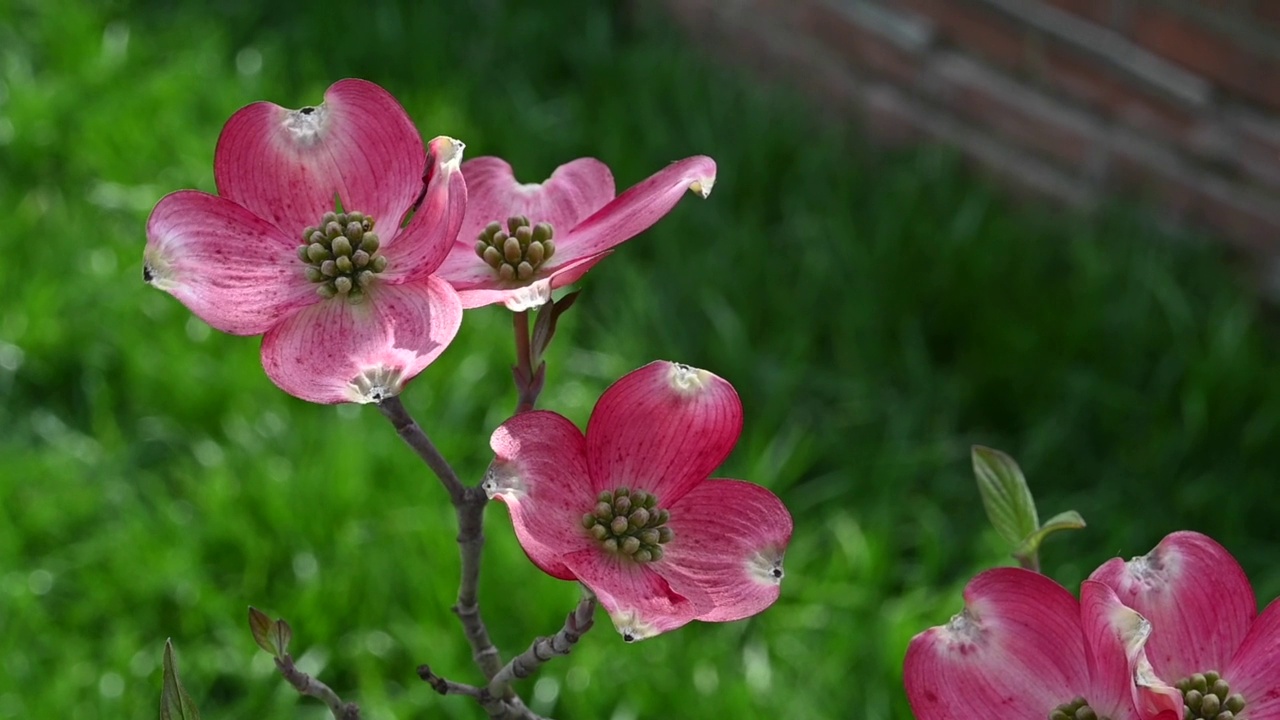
<point x="353" y="248"/>
<point x="1169" y="635"/>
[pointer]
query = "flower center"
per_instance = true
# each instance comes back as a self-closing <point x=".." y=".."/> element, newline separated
<point x="629" y="522"/>
<point x="1208" y="696"/>
<point x="342" y="255"/>
<point x="517" y="251"/>
<point x="1077" y="709"/>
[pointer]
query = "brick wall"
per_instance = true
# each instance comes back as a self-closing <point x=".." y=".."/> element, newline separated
<point x="1177" y="101"/>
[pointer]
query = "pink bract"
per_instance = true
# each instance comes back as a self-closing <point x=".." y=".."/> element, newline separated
<point x="1204" y="617"/>
<point x="578" y="202"/>
<point x="233" y="258"/>
<point x="1024" y="646"/>
<point x="660" y="430"/>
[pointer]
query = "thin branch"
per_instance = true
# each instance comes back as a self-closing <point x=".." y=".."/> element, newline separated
<point x="496" y="707"/>
<point x="543" y="649"/>
<point x="469" y="504"/>
<point x="471" y="549"/>
<point x="307" y="685"/>
<point x="411" y="433"/>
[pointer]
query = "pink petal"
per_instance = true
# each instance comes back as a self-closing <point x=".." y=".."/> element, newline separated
<point x="335" y="352"/>
<point x="540" y="472"/>
<point x="1017" y="651"/>
<point x="1196" y="596"/>
<point x="1255" y="670"/>
<point x="287" y="165"/>
<point x="234" y="270"/>
<point x="574" y="191"/>
<point x="729" y="539"/>
<point x="635" y="210"/>
<point x="662" y="428"/>
<point x="640" y="602"/>
<point x="418" y="250"/>
<point x="1114" y="638"/>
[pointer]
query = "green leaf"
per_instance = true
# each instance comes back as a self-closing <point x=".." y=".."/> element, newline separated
<point x="261" y="627"/>
<point x="1069" y="520"/>
<point x="1005" y="495"/>
<point x="175" y="703"/>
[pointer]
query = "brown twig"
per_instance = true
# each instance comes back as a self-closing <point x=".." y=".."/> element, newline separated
<point x="543" y="649"/>
<point x="307" y="685"/>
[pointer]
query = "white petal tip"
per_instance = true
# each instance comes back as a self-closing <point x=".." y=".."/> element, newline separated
<point x="375" y="384"/>
<point x="630" y="627"/>
<point x="448" y="152"/>
<point x="529" y="297"/>
<point x="304" y="126"/>
<point x="502" y="481"/>
<point x="702" y="188"/>
<point x="765" y="567"/>
<point x="688" y="380"/>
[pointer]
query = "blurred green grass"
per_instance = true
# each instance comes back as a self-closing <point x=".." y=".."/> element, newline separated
<point x="878" y="313"/>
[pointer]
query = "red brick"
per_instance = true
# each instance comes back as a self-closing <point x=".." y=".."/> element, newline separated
<point x="1087" y="81"/>
<point x="1102" y="12"/>
<point x="986" y="34"/>
<point x="859" y="45"/>
<point x="1015" y="111"/>
<point x="1198" y="48"/>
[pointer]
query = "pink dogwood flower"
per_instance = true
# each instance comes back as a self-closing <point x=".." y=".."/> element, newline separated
<point x="345" y="297"/>
<point x="1207" y="638"/>
<point x="1025" y="648"/>
<point x="629" y="511"/>
<point x="520" y="241"/>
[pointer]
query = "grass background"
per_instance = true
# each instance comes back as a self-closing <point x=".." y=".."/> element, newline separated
<point x="879" y="313"/>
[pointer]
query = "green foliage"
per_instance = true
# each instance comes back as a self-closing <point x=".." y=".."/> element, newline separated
<point x="879" y="315"/>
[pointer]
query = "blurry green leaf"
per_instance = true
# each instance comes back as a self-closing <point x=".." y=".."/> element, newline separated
<point x="175" y="703"/>
<point x="261" y="627"/>
<point x="1005" y="495"/>
<point x="1069" y="520"/>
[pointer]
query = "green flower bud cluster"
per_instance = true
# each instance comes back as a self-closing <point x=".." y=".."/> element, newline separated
<point x="517" y="251"/>
<point x="629" y="522"/>
<point x="1077" y="709"/>
<point x="342" y="255"/>
<point x="1207" y="696"/>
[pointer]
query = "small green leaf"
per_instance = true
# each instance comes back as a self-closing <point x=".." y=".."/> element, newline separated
<point x="260" y="625"/>
<point x="282" y="634"/>
<point x="1005" y="495"/>
<point x="175" y="703"/>
<point x="1069" y="520"/>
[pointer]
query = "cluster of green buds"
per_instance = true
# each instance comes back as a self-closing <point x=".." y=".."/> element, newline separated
<point x="1077" y="709"/>
<point x="631" y="523"/>
<point x="1207" y="696"/>
<point x="342" y="255"/>
<point x="517" y="251"/>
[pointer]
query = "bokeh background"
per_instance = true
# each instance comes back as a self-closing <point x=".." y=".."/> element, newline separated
<point x="879" y="312"/>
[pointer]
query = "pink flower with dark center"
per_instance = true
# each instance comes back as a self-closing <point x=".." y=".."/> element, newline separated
<point x="345" y="296"/>
<point x="629" y="511"/>
<point x="1207" y="638"/>
<point x="1025" y="648"/>
<point x="522" y="240"/>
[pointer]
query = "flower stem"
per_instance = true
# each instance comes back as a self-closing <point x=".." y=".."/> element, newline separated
<point x="468" y="503"/>
<point x="307" y="685"/>
<point x="526" y="386"/>
<point x="543" y="649"/>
